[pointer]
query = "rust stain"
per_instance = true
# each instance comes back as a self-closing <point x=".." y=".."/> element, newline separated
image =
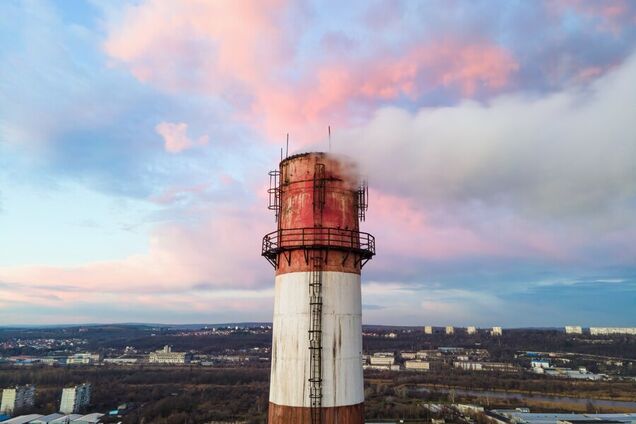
<point x="336" y="261"/>
<point x="280" y="414"/>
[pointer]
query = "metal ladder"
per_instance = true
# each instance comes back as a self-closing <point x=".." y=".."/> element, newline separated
<point x="315" y="303"/>
<point x="315" y="337"/>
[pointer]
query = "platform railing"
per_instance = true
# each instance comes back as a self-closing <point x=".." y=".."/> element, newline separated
<point x="318" y="238"/>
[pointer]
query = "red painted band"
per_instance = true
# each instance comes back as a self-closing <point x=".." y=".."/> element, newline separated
<point x="281" y="414"/>
<point x="334" y="261"/>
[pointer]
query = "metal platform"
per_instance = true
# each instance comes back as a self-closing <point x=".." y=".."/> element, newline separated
<point x="284" y="240"/>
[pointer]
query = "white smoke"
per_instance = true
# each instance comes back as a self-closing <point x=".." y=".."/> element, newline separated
<point x="562" y="156"/>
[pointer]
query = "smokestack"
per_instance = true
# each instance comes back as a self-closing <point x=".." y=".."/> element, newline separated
<point x="318" y="253"/>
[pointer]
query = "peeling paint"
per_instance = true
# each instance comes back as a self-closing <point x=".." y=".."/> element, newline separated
<point x="353" y="414"/>
<point x="342" y="329"/>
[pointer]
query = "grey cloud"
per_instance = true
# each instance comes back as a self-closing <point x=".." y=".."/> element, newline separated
<point x="565" y="155"/>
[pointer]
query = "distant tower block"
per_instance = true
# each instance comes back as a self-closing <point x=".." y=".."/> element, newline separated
<point x="428" y="329"/>
<point x="450" y="330"/>
<point x="317" y="252"/>
<point x="17" y="398"/>
<point x="471" y="330"/>
<point x="74" y="399"/>
<point x="496" y="331"/>
<point x="573" y="329"/>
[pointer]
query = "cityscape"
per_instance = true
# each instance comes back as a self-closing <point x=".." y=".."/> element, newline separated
<point x="317" y="212"/>
<point x="435" y="371"/>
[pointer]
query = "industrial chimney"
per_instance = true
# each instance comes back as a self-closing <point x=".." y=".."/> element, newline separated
<point x="317" y="252"/>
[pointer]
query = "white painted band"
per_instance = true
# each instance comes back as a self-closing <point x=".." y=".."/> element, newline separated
<point x="342" y="381"/>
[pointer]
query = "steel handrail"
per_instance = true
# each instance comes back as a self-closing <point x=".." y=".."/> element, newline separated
<point x="317" y="237"/>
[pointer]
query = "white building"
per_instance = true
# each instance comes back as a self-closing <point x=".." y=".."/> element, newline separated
<point x="496" y="331"/>
<point x="573" y="329"/>
<point x="428" y="329"/>
<point x="382" y="360"/>
<point x="605" y="331"/>
<point x="471" y="330"/>
<point x="394" y="367"/>
<point x="84" y="359"/>
<point x="121" y="361"/>
<point x="75" y="398"/>
<point x="422" y="354"/>
<point x="470" y="366"/>
<point x="167" y="356"/>
<point x="540" y="364"/>
<point x="486" y="366"/>
<point x="17" y="398"/>
<point x="417" y="365"/>
<point x="450" y="330"/>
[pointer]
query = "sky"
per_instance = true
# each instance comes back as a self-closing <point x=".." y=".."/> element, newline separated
<point x="498" y="137"/>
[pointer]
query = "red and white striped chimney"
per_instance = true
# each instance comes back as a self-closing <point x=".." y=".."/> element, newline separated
<point x="318" y="252"/>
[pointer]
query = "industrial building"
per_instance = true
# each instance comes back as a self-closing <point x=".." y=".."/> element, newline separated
<point x="417" y="365"/>
<point x="47" y="419"/>
<point x="485" y="366"/>
<point x="317" y="253"/>
<point x="540" y="363"/>
<point x="167" y="356"/>
<point x="381" y="360"/>
<point x="22" y="419"/>
<point x="526" y="417"/>
<point x="606" y="331"/>
<point x="75" y="399"/>
<point x="93" y="418"/>
<point x="84" y="359"/>
<point x="17" y="398"/>
<point x="66" y="419"/>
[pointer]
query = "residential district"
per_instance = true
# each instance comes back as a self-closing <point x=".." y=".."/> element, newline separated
<point x="558" y="364"/>
<point x="75" y="401"/>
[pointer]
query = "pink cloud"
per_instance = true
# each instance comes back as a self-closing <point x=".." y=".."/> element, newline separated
<point x="175" y="137"/>
<point x="194" y="44"/>
<point x="333" y="89"/>
<point x="404" y="230"/>
<point x="209" y="265"/>
<point x="220" y="251"/>
<point x="200" y="47"/>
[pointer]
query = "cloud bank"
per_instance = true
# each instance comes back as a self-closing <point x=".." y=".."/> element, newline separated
<point x="501" y="165"/>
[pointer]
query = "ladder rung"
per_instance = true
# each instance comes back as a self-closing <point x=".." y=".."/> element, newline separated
<point x="315" y="323"/>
